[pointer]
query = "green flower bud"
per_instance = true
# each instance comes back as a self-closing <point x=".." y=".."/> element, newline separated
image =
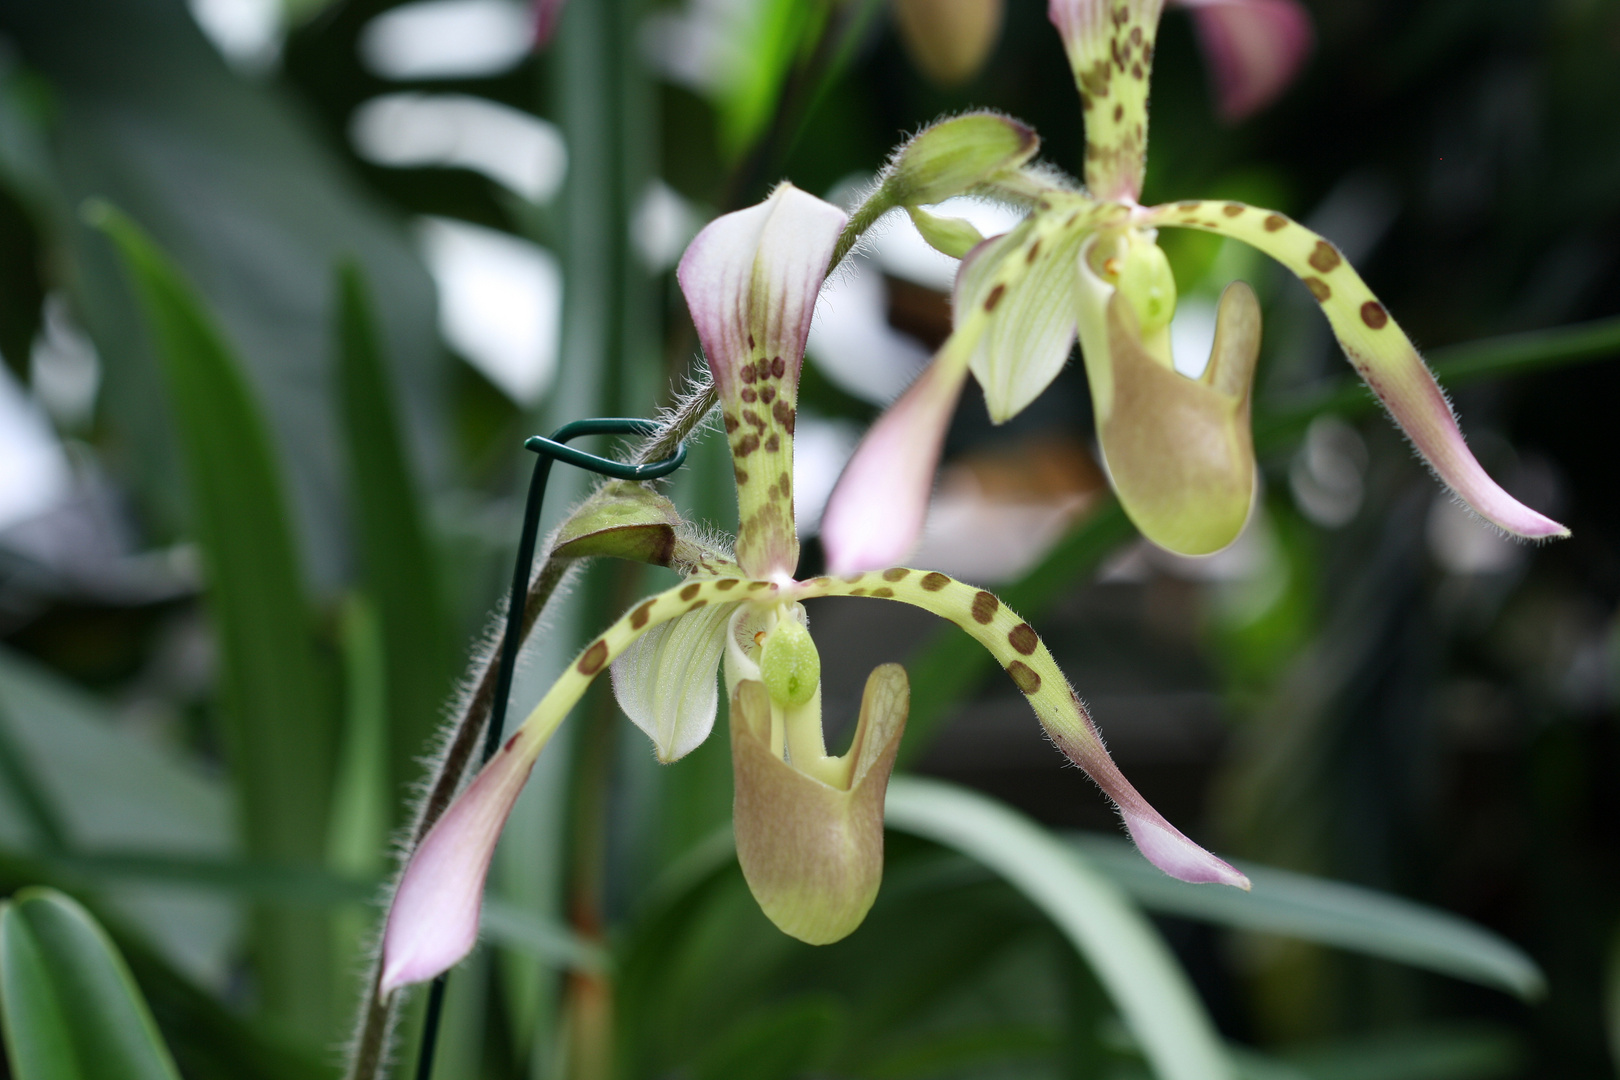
<point x="956" y="155"/>
<point x="951" y="236"/>
<point x="789" y="663"/>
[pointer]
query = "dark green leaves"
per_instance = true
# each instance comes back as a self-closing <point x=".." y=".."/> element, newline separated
<point x="69" y="1008"/>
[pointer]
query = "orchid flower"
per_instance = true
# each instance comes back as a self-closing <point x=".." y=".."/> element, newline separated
<point x="808" y="824"/>
<point x="1086" y="263"/>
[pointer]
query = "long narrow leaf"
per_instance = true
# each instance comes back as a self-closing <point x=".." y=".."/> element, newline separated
<point x="1329" y="912"/>
<point x="400" y="573"/>
<point x="70" y="1009"/>
<point x="1131" y="960"/>
<point x="279" y="717"/>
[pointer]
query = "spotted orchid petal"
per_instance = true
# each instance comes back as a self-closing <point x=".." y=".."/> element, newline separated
<point x="875" y="514"/>
<point x="1254" y="49"/>
<point x="1375" y="345"/>
<point x="812" y="851"/>
<point x="666" y="682"/>
<point x="433" y="920"/>
<point x="1179" y="451"/>
<point x="1110" y="47"/>
<point x="1024" y="284"/>
<point x="751" y="280"/>
<point x="1026" y="659"/>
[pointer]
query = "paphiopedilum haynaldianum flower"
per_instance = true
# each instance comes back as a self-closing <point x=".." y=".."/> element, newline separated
<point x="808" y="824"/>
<point x="1086" y="262"/>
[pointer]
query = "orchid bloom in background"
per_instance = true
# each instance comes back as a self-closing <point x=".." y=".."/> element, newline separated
<point x="808" y="825"/>
<point x="1087" y="263"/>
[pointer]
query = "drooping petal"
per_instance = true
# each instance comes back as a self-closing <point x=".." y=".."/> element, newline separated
<point x="1180" y="452"/>
<point x="433" y="920"/>
<point x="1254" y="49"/>
<point x="1110" y="47"/>
<point x="1378" y="349"/>
<point x="667" y="684"/>
<point x="876" y="512"/>
<point x="1026" y="659"/>
<point x="751" y="280"/>
<point x="812" y="852"/>
<point x="1024" y="282"/>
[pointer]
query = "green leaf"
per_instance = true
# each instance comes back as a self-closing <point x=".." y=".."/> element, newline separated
<point x="1131" y="960"/>
<point x="1328" y="912"/>
<point x="1460" y="1053"/>
<point x="108" y="789"/>
<point x="400" y="572"/>
<point x="70" y="1008"/>
<point x="777" y="1043"/>
<point x="279" y="719"/>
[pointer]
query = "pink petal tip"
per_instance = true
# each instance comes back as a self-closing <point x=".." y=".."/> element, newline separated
<point x="1255" y="48"/>
<point x="876" y="513"/>
<point x="1163" y="845"/>
<point x="433" y="921"/>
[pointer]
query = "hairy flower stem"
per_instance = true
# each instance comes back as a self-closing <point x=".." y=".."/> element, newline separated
<point x="379" y="1014"/>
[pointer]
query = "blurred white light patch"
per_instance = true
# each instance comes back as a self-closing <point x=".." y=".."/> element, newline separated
<point x="901" y="250"/>
<point x="246" y="32"/>
<point x="500" y="303"/>
<point x="34" y="471"/>
<point x="1464" y="544"/>
<point x="1192" y="335"/>
<point x="851" y="341"/>
<point x="703" y="44"/>
<point x="521" y="152"/>
<point x="1326" y="473"/>
<point x="662" y="226"/>
<point x="447" y="39"/>
<point x="821" y="449"/>
<point x="63" y="367"/>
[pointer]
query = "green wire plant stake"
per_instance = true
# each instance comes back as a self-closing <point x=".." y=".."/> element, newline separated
<point x="548" y="450"/>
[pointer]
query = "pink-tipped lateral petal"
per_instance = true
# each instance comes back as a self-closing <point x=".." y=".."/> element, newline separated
<point x="1375" y="345"/>
<point x="1255" y="48"/>
<point x="433" y="921"/>
<point x="1029" y="663"/>
<point x="876" y="513"/>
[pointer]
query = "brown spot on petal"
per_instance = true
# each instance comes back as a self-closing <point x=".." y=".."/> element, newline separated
<point x="750" y="341"/>
<point x="1034" y="250"/>
<point x="731" y="422"/>
<point x="883" y="592"/>
<point x="1324" y="256"/>
<point x="935" y="582"/>
<point x="690" y="591"/>
<point x="1188" y="207"/>
<point x="1275" y="222"/>
<point x="1374" y="315"/>
<point x="1024" y="675"/>
<point x="857" y="592"/>
<point x="753" y="418"/>
<point x="747" y="373"/>
<point x="755" y="586"/>
<point x="697" y="604"/>
<point x="767" y="394"/>
<point x="1023" y="638"/>
<point x="777" y="367"/>
<point x="896" y="573"/>
<point x="1233" y="209"/>
<point x="1136" y="71"/>
<point x="725" y="584"/>
<point x="639" y="617"/>
<point x="506" y="748"/>
<point x="1119" y="113"/>
<point x="746" y="445"/>
<point x="850" y="579"/>
<point x="594" y="658"/>
<point x="1136" y="35"/>
<point x="774" y="443"/>
<point x="785" y="415"/>
<point x="994" y="298"/>
<point x="984" y="606"/>
<point x="1319" y="289"/>
<point x="748" y="395"/>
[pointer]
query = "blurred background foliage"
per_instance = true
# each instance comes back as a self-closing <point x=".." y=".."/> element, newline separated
<point x="283" y="283"/>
